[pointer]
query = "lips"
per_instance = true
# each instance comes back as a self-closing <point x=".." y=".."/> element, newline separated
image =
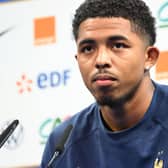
<point x="104" y="79"/>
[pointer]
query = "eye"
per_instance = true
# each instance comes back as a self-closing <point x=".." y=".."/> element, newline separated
<point x="119" y="45"/>
<point x="86" y="49"/>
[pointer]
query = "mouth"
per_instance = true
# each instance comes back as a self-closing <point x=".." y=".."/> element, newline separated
<point x="104" y="80"/>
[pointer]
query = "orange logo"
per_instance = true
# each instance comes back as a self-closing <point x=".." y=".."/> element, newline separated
<point x="162" y="66"/>
<point x="44" y="30"/>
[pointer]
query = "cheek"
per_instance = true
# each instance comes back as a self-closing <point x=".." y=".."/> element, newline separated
<point x="84" y="71"/>
<point x="131" y="69"/>
<point x="139" y="65"/>
<point x="135" y="71"/>
<point x="85" y="67"/>
<point x="137" y="61"/>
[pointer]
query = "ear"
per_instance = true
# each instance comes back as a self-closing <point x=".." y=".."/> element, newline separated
<point x="152" y="55"/>
<point x="76" y="57"/>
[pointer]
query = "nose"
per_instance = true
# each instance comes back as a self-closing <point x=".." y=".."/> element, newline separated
<point x="103" y="59"/>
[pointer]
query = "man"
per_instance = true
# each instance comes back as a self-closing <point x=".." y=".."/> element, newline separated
<point x="127" y="126"/>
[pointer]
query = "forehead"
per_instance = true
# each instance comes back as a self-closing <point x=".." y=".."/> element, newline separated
<point x="103" y="27"/>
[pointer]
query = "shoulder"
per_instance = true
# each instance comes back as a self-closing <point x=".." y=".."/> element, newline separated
<point x="162" y="104"/>
<point x="162" y="92"/>
<point x="80" y="121"/>
<point x="163" y="87"/>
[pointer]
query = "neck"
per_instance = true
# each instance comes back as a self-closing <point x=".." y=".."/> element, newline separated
<point x="131" y="112"/>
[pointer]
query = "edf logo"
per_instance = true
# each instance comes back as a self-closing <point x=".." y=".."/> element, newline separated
<point x="53" y="79"/>
<point x="44" y="80"/>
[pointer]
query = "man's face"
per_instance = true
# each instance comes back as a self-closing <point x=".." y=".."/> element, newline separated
<point x="111" y="58"/>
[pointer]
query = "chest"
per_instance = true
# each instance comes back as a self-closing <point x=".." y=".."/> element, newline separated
<point x="149" y="150"/>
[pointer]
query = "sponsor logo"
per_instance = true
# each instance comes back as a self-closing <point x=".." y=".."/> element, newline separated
<point x="162" y="15"/>
<point x="44" y="30"/>
<point x="47" y="126"/>
<point x="162" y="66"/>
<point x="24" y="84"/>
<point x="43" y="81"/>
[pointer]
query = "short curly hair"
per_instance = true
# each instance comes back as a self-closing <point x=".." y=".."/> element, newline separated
<point x="136" y="11"/>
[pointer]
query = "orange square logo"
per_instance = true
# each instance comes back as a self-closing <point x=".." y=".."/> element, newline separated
<point x="162" y="66"/>
<point x="44" y="30"/>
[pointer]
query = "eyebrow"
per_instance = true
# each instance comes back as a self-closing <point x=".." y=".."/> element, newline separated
<point x="110" y="38"/>
<point x="86" y="41"/>
<point x="117" y="37"/>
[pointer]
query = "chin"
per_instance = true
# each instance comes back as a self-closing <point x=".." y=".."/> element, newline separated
<point x="106" y="101"/>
